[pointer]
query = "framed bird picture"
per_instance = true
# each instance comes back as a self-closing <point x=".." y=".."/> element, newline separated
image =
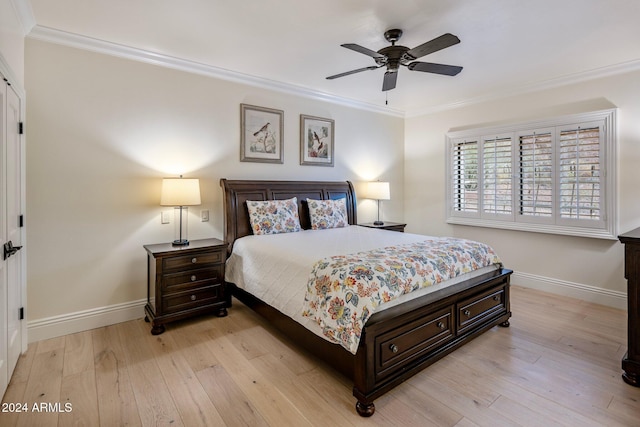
<point x="316" y="141"/>
<point x="261" y="134"/>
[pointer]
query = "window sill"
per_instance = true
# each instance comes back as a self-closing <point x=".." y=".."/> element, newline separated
<point x="594" y="233"/>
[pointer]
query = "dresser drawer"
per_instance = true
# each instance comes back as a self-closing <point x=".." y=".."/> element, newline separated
<point x="479" y="307"/>
<point x="400" y="346"/>
<point x="175" y="281"/>
<point x="193" y="298"/>
<point x="195" y="261"/>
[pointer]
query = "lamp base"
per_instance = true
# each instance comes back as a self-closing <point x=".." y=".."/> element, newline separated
<point x="378" y="223"/>
<point x="182" y="242"/>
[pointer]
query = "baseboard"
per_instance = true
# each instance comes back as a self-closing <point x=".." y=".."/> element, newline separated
<point x="71" y="323"/>
<point x="588" y="293"/>
<point x="51" y="327"/>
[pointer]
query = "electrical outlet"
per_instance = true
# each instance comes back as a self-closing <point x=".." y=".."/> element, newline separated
<point x="165" y="217"/>
<point x="204" y="215"/>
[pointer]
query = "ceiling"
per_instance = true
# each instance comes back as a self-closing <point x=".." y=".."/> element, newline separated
<point x="507" y="47"/>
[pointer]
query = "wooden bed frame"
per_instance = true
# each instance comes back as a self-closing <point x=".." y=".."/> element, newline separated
<point x="396" y="343"/>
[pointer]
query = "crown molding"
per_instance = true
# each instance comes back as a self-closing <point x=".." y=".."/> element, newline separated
<point x="566" y="80"/>
<point x="25" y="15"/>
<point x="108" y="48"/>
<point x="64" y="38"/>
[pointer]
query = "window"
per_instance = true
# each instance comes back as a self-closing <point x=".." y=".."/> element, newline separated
<point x="555" y="176"/>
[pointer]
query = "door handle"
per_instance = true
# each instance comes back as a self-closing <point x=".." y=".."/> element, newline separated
<point x="9" y="249"/>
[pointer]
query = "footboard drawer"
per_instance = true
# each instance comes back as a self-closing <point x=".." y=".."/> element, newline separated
<point x="400" y="346"/>
<point x="476" y="309"/>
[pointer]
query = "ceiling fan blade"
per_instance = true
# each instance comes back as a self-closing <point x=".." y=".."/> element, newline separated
<point x="434" y="45"/>
<point x="373" y="67"/>
<point x="360" y="49"/>
<point x="389" y="82"/>
<point x="429" y="67"/>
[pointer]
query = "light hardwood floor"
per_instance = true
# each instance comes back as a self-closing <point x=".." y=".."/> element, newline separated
<point x="558" y="364"/>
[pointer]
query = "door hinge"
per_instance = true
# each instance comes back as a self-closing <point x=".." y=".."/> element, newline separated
<point x="21" y="315"/>
<point x="21" y="128"/>
<point x="21" y="221"/>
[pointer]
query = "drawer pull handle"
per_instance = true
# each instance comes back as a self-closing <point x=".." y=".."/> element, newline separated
<point x="193" y="297"/>
<point x="194" y="260"/>
<point x="466" y="313"/>
<point x="496" y="297"/>
<point x="393" y="348"/>
<point x="193" y="278"/>
<point x="440" y="325"/>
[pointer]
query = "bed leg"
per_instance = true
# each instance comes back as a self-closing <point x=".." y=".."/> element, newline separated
<point x="504" y="324"/>
<point x="365" y="409"/>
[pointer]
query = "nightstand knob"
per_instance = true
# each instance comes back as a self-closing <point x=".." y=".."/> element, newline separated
<point x="193" y="297"/>
<point x="393" y="348"/>
<point x="193" y="278"/>
<point x="467" y="313"/>
<point x="440" y="325"/>
<point x="194" y="260"/>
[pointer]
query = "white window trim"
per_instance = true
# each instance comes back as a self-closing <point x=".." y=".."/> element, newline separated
<point x="609" y="169"/>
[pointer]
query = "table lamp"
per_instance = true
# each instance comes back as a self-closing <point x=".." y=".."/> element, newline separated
<point x="378" y="190"/>
<point x="180" y="193"/>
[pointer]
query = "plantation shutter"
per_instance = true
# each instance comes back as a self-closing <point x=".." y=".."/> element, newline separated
<point x="465" y="176"/>
<point x="580" y="173"/>
<point x="549" y="176"/>
<point x="497" y="198"/>
<point x="535" y="155"/>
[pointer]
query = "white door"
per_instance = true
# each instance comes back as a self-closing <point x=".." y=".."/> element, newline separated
<point x="14" y="232"/>
<point x="4" y="364"/>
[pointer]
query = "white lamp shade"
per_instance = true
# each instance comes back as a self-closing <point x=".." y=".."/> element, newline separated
<point x="378" y="190"/>
<point x="180" y="192"/>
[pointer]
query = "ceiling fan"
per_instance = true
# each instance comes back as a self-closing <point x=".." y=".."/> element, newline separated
<point x="394" y="56"/>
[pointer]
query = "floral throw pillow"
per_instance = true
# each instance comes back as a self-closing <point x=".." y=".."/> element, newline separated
<point x="328" y="213"/>
<point x="274" y="216"/>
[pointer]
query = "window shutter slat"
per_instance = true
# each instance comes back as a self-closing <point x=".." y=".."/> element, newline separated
<point x="580" y="174"/>
<point x="536" y="175"/>
<point x="465" y="176"/>
<point x="497" y="181"/>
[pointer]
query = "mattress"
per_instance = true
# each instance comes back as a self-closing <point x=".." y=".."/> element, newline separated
<point x="275" y="268"/>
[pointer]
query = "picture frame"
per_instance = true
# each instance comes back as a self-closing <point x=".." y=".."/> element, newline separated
<point x="261" y="134"/>
<point x="316" y="141"/>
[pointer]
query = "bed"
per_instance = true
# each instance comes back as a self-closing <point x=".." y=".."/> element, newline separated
<point x="394" y="343"/>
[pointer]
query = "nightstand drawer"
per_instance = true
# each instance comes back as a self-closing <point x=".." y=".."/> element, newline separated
<point x="196" y="260"/>
<point x="192" y="298"/>
<point x="193" y="277"/>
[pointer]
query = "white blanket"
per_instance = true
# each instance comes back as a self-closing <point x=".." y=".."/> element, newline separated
<point x="275" y="268"/>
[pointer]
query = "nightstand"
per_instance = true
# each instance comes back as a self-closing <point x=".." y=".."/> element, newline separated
<point x="388" y="225"/>
<point x="185" y="281"/>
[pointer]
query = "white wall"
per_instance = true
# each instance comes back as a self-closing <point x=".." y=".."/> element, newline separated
<point x="102" y="133"/>
<point x="591" y="269"/>
<point x="12" y="42"/>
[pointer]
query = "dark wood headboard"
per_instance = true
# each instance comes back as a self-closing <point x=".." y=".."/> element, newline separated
<point x="237" y="192"/>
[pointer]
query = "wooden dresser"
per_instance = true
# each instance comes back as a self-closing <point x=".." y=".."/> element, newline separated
<point x="185" y="281"/>
<point x="631" y="360"/>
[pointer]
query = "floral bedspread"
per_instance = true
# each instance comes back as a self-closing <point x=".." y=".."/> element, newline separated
<point x="343" y="291"/>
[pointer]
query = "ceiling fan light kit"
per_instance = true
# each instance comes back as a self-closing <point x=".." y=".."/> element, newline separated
<point x="396" y="55"/>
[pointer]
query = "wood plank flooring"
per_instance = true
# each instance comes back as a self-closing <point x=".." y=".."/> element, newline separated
<point x="558" y="364"/>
